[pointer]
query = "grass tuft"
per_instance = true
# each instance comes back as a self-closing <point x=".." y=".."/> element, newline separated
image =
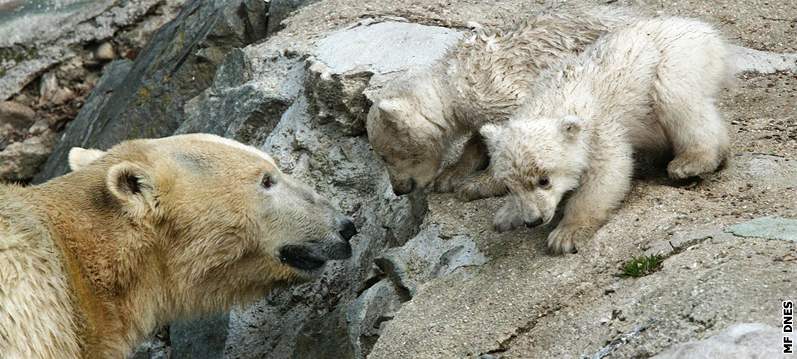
<point x="642" y="266"/>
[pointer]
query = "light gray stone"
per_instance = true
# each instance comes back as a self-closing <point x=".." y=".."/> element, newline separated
<point x="384" y="47"/>
<point x="739" y="341"/>
<point x="41" y="34"/>
<point x="105" y="52"/>
<point x="19" y="161"/>
<point x="767" y="227"/>
<point x="427" y="256"/>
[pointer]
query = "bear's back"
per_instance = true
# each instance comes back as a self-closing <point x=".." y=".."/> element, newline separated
<point x="36" y="313"/>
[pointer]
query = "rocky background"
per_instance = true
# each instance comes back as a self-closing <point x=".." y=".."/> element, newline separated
<point x="428" y="278"/>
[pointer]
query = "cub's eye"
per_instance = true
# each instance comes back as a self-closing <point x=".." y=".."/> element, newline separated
<point x="544" y="182"/>
<point x="267" y="181"/>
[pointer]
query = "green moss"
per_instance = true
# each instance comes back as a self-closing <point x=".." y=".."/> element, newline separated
<point x="17" y="54"/>
<point x="143" y="95"/>
<point x="642" y="266"/>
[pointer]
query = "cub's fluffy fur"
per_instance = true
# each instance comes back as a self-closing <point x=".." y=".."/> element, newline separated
<point x="418" y="120"/>
<point x="648" y="87"/>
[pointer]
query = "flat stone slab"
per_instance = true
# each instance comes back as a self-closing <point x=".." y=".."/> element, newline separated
<point x="767" y="227"/>
<point x="385" y="47"/>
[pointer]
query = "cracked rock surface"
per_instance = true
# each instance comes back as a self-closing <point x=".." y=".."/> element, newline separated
<point x="428" y="277"/>
<point x="51" y="55"/>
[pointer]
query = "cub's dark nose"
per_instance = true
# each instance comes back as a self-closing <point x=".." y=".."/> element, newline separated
<point x="534" y="223"/>
<point x="347" y="229"/>
<point x="404" y="188"/>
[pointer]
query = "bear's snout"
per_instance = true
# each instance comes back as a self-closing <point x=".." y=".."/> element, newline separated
<point x="312" y="255"/>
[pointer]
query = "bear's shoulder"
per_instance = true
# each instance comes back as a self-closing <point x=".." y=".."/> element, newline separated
<point x="21" y="227"/>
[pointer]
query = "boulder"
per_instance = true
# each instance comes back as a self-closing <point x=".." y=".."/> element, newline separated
<point x="179" y="63"/>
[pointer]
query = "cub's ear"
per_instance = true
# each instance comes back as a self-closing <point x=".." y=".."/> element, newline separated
<point x="492" y="134"/>
<point x="81" y="157"/>
<point x="133" y="186"/>
<point x="571" y="126"/>
<point x="388" y="114"/>
<point x="391" y="108"/>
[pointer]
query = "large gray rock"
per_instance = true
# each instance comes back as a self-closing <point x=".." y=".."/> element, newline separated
<point x="35" y="36"/>
<point x="52" y="53"/>
<point x="178" y="64"/>
<point x="200" y="338"/>
<point x="19" y="160"/>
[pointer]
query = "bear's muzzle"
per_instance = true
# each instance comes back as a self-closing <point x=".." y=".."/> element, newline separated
<point x="312" y="255"/>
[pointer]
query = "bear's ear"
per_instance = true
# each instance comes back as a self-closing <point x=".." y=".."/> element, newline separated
<point x="491" y="134"/>
<point x="133" y="186"/>
<point x="572" y="126"/>
<point x="81" y="157"/>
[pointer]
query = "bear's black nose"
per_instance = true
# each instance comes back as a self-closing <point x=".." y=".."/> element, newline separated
<point x="535" y="223"/>
<point x="347" y="229"/>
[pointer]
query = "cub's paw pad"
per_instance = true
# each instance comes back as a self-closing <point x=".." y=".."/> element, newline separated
<point x="563" y="239"/>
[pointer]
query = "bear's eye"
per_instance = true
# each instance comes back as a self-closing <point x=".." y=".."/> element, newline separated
<point x="544" y="182"/>
<point x="267" y="181"/>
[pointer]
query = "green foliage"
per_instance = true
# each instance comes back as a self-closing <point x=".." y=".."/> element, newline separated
<point x="642" y="266"/>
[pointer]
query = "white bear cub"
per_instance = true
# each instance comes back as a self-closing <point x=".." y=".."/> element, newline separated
<point x="647" y="87"/>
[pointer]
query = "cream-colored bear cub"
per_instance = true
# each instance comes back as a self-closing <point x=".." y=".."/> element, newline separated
<point x="648" y="87"/>
<point x="417" y="120"/>
<point x="149" y="232"/>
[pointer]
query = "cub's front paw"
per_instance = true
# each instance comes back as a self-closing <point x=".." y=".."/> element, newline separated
<point x="507" y="219"/>
<point x="470" y="190"/>
<point x="446" y="182"/>
<point x="564" y="238"/>
<point x="693" y="164"/>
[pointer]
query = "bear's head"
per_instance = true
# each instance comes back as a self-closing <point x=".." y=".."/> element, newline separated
<point x="220" y="222"/>
<point x="406" y="129"/>
<point x="539" y="160"/>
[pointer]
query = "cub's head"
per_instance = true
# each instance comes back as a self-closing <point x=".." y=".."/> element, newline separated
<point x="405" y="130"/>
<point x="224" y="222"/>
<point x="539" y="160"/>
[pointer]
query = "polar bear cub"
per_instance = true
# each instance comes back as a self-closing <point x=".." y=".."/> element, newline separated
<point x="647" y="87"/>
<point x="417" y="120"/>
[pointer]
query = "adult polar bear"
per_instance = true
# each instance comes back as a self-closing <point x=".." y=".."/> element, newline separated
<point x="151" y="231"/>
<point x="415" y="122"/>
